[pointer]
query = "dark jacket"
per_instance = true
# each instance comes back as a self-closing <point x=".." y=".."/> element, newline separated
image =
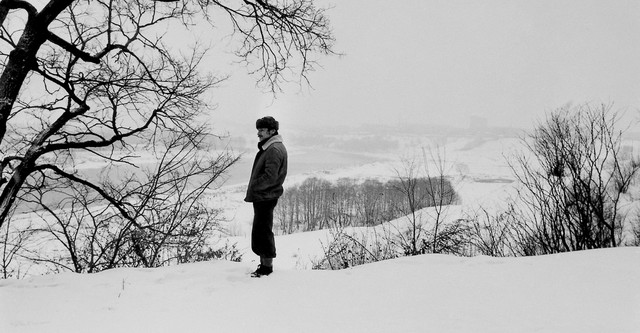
<point x="268" y="172"/>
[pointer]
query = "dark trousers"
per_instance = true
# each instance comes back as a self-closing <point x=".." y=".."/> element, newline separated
<point x="262" y="240"/>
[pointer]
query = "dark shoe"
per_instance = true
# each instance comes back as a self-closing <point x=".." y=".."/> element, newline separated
<point x="262" y="271"/>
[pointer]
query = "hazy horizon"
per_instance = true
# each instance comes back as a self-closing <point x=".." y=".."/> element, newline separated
<point x="454" y="63"/>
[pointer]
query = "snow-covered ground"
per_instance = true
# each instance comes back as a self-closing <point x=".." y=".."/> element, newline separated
<point x="590" y="291"/>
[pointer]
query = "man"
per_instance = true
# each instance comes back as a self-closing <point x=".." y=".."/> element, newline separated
<point x="265" y="187"/>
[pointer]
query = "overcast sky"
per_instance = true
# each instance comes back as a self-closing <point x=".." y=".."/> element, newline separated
<point x="444" y="62"/>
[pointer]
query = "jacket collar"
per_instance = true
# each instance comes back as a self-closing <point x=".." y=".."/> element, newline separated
<point x="270" y="141"/>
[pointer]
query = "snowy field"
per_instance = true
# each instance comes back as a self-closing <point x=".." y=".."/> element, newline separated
<point x="590" y="291"/>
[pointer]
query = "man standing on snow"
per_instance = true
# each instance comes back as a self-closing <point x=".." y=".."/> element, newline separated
<point x="265" y="187"/>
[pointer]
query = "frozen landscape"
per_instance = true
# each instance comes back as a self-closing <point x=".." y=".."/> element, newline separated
<point x="362" y="91"/>
<point x="589" y="291"/>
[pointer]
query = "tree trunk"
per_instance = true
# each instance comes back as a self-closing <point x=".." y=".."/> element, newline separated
<point x="21" y="61"/>
<point x="10" y="192"/>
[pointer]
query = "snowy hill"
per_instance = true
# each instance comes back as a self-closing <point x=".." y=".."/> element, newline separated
<point x="590" y="291"/>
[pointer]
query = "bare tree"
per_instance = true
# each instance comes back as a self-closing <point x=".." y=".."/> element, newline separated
<point x="12" y="242"/>
<point x="573" y="185"/>
<point x="422" y="186"/>
<point x="308" y="206"/>
<point x="287" y="212"/>
<point x="99" y="77"/>
<point x="440" y="193"/>
<point x="341" y="203"/>
<point x="408" y="186"/>
<point x="312" y="198"/>
<point x="370" y="202"/>
<point x="169" y="218"/>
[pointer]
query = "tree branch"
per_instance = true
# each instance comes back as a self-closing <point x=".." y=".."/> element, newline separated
<point x="7" y="5"/>
<point x="71" y="48"/>
<point x="116" y="203"/>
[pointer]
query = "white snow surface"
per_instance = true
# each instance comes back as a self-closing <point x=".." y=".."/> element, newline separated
<point x="589" y="291"/>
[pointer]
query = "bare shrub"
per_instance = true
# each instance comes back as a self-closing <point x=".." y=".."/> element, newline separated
<point x="227" y="252"/>
<point x="452" y="238"/>
<point x="348" y="248"/>
<point x="12" y="244"/>
<point x="161" y="216"/>
<point x="573" y="186"/>
<point x="503" y="234"/>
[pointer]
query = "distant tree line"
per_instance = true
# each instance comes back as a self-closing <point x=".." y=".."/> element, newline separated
<point x="319" y="204"/>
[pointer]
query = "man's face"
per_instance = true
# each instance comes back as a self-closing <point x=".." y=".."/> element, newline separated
<point x="265" y="133"/>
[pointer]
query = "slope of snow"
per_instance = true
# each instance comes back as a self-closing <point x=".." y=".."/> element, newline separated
<point x="590" y="291"/>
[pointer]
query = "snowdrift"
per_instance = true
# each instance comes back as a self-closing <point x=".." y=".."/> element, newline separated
<point x="589" y="291"/>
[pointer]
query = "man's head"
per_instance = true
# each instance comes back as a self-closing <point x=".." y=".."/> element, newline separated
<point x="267" y="127"/>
